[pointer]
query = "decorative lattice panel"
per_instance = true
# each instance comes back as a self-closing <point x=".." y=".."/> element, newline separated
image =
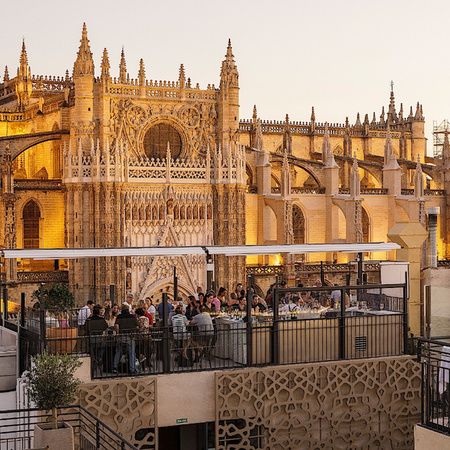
<point x="343" y="405"/>
<point x="127" y="406"/>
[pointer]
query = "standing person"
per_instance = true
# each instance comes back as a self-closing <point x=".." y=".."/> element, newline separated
<point x="84" y="313"/>
<point x="129" y="302"/>
<point x="168" y="311"/>
<point x="127" y="324"/>
<point x="150" y="308"/>
<point x="95" y="326"/>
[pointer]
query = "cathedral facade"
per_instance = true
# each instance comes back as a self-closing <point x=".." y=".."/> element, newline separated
<point x="92" y="160"/>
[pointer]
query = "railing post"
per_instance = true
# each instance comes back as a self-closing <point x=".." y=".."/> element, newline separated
<point x="42" y="326"/>
<point x="249" y="329"/>
<point x="5" y="305"/>
<point x="405" y="318"/>
<point x="97" y="434"/>
<point x="175" y="285"/>
<point x="342" y="326"/>
<point x="165" y="320"/>
<point x="275" y="337"/>
<point x="22" y="309"/>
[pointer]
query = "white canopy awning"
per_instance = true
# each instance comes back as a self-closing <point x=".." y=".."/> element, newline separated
<point x="239" y="250"/>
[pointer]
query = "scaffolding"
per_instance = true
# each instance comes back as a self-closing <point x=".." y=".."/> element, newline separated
<point x="439" y="130"/>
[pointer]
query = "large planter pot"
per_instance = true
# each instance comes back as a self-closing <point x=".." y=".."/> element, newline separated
<point x="60" y="438"/>
<point x="65" y="339"/>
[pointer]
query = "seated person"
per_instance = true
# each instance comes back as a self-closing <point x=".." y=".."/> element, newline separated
<point x="204" y="325"/>
<point x="126" y="323"/>
<point x="142" y="320"/>
<point x="258" y="302"/>
<point x="179" y="322"/>
<point x="192" y="308"/>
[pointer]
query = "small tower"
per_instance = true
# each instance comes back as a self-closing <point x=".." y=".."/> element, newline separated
<point x="6" y="75"/>
<point x="123" y="76"/>
<point x="181" y="77"/>
<point x="105" y="66"/>
<point x="418" y="144"/>
<point x="83" y="77"/>
<point x="228" y="103"/>
<point x="23" y="83"/>
<point x="141" y="73"/>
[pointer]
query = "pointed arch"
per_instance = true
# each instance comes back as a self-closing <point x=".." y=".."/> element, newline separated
<point x="31" y="216"/>
<point x="298" y="225"/>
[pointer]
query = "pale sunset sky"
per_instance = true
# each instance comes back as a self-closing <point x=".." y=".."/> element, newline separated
<point x="339" y="56"/>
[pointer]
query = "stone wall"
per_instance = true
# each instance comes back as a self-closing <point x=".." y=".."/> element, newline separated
<point x="356" y="404"/>
<point x="339" y="405"/>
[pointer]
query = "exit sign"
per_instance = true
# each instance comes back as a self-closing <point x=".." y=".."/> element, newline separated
<point x="183" y="420"/>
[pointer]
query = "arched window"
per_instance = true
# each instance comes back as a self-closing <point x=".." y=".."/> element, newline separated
<point x="156" y="139"/>
<point x="365" y="226"/>
<point x="31" y="217"/>
<point x="298" y="225"/>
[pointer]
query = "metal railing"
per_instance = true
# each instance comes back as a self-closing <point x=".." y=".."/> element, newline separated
<point x="297" y="325"/>
<point x="90" y="433"/>
<point x="434" y="356"/>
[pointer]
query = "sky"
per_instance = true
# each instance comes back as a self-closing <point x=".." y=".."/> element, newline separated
<point x="338" y="56"/>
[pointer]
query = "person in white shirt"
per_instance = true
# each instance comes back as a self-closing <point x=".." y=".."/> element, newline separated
<point x="85" y="312"/>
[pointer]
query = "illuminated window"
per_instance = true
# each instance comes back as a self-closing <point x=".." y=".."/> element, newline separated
<point x="31" y="217"/>
<point x="156" y="139"/>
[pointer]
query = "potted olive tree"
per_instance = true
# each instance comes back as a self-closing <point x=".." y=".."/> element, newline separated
<point x="57" y="300"/>
<point x="51" y="385"/>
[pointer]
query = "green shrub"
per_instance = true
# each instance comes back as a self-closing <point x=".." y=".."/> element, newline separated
<point x="51" y="382"/>
<point x="55" y="297"/>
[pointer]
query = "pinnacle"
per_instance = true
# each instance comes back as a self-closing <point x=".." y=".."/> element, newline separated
<point x="229" y="54"/>
<point x="23" y="54"/>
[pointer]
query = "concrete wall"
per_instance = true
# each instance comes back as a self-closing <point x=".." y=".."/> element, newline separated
<point x="425" y="439"/>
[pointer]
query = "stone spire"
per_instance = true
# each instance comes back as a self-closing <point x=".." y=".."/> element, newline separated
<point x="141" y="73"/>
<point x="358" y="120"/>
<point x="23" y="64"/>
<point x="229" y="76"/>
<point x="6" y="75"/>
<point x="418" y="115"/>
<point x="382" y="116"/>
<point x="392" y="114"/>
<point x="182" y="77"/>
<point x="255" y="114"/>
<point x="105" y="66"/>
<point x="23" y="84"/>
<point x="84" y="64"/>
<point x="355" y="182"/>
<point x="390" y="160"/>
<point x="374" y="119"/>
<point x="122" y="68"/>
<point x="327" y="154"/>
<point x="411" y="115"/>
<point x="400" y="113"/>
<point x="287" y="137"/>
<point x="313" y="115"/>
<point x="418" y="180"/>
<point x="446" y="151"/>
<point x="258" y="144"/>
